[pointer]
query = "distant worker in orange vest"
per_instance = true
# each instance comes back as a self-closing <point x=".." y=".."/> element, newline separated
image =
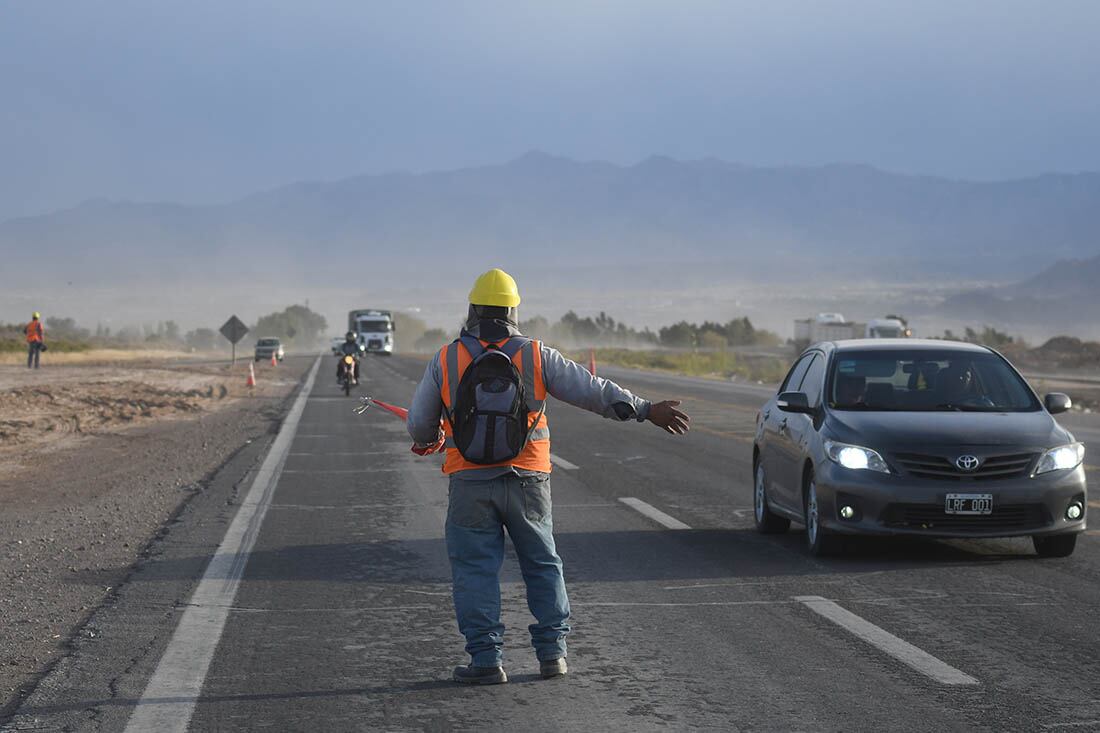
<point x="483" y="400"/>
<point x="36" y="339"/>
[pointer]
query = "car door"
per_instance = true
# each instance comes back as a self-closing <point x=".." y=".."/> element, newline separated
<point x="793" y="435"/>
<point x="774" y="425"/>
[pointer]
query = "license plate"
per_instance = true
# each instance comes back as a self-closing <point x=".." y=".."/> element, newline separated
<point x="969" y="504"/>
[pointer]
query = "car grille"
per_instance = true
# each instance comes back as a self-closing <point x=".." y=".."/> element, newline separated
<point x="374" y="344"/>
<point x="931" y="517"/>
<point x="938" y="467"/>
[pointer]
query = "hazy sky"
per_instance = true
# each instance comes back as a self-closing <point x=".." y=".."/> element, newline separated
<point x="206" y="100"/>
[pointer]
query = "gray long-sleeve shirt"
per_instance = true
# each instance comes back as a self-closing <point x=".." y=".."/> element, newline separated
<point x="565" y="380"/>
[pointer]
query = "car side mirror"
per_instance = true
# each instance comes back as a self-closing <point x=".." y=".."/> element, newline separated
<point x="1056" y="402"/>
<point x="794" y="402"/>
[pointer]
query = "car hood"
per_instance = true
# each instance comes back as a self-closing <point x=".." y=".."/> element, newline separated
<point x="908" y="430"/>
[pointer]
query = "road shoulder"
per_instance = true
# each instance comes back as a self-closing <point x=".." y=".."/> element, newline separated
<point x="74" y="556"/>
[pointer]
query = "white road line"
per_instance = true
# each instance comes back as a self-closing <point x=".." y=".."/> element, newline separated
<point x="562" y="463"/>
<point x="883" y="640"/>
<point x="169" y="699"/>
<point x="653" y="513"/>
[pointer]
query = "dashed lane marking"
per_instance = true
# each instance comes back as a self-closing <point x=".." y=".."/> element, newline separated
<point x="653" y="513"/>
<point x="884" y="641"/>
<point x="562" y="463"/>
<point x="168" y="702"/>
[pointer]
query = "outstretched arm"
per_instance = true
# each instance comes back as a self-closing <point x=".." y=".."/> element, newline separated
<point x="426" y="407"/>
<point x="570" y="382"/>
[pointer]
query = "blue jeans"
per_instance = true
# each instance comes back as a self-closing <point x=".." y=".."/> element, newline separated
<point x="478" y="512"/>
<point x="34" y="351"/>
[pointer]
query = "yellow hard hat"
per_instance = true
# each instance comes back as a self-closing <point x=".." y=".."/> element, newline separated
<point x="495" y="287"/>
<point x="36" y="315"/>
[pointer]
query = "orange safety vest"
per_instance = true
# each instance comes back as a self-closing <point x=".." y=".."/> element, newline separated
<point x="33" y="331"/>
<point x="454" y="360"/>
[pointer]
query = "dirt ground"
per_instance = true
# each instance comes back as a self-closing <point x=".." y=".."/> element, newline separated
<point x="94" y="461"/>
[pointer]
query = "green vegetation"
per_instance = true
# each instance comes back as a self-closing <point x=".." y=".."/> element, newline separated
<point x="603" y="331"/>
<point x="296" y="326"/>
<point x="714" y="364"/>
<point x="988" y="336"/>
<point x="413" y="334"/>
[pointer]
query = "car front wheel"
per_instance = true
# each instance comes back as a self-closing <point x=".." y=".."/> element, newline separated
<point x="767" y="521"/>
<point x="819" y="541"/>
<point x="1060" y="545"/>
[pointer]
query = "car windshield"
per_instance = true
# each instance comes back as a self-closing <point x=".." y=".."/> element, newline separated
<point x="268" y="342"/>
<point x="374" y="326"/>
<point x="924" y="380"/>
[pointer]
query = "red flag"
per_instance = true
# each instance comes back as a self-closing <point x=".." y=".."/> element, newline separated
<point x="401" y="412"/>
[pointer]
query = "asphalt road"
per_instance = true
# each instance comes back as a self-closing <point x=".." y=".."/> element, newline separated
<point x="340" y="617"/>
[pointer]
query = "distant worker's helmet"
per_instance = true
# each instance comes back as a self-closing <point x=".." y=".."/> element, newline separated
<point x="349" y="336"/>
<point x="36" y="315"/>
<point x="495" y="287"/>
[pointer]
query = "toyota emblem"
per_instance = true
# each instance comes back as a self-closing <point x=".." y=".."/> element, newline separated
<point x="967" y="463"/>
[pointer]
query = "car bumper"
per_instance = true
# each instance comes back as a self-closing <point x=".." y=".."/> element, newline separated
<point x="899" y="505"/>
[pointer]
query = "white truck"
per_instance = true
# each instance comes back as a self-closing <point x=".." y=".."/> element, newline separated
<point x="826" y="327"/>
<point x="835" y="327"/>
<point x="374" y="329"/>
<point x="890" y="327"/>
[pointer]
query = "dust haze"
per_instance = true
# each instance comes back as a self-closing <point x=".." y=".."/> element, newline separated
<point x="706" y="162"/>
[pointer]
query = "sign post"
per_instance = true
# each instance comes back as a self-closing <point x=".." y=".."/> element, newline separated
<point x="234" y="330"/>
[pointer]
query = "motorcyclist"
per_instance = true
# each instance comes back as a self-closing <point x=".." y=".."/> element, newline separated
<point x="351" y="347"/>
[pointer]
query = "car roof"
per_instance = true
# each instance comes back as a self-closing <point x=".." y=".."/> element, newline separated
<point x="906" y="344"/>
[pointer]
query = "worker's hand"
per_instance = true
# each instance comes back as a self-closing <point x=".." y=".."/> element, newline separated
<point x="665" y="416"/>
<point x="426" y="450"/>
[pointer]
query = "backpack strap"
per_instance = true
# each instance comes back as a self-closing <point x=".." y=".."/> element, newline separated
<point x="534" y="387"/>
<point x="455" y="359"/>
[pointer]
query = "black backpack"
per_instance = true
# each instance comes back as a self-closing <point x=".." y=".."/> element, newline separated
<point x="490" y="419"/>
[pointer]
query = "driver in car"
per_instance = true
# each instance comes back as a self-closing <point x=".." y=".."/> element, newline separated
<point x="849" y="391"/>
<point x="958" y="387"/>
<point x="351" y="348"/>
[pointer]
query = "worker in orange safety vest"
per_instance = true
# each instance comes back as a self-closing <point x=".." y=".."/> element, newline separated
<point x="36" y="339"/>
<point x="483" y="400"/>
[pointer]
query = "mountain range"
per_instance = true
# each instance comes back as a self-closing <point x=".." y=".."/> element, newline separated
<point x="1064" y="296"/>
<point x="539" y="209"/>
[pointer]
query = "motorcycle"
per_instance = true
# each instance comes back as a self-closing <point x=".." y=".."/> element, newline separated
<point x="347" y="374"/>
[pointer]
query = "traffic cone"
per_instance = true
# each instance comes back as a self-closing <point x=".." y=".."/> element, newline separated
<point x="592" y="361"/>
<point x="251" y="376"/>
<point x="274" y="361"/>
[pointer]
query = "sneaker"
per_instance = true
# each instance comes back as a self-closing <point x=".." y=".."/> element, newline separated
<point x="553" y="668"/>
<point x="472" y="675"/>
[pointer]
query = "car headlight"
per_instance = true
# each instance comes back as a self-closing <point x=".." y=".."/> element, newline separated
<point x="1062" y="458"/>
<point x="855" y="457"/>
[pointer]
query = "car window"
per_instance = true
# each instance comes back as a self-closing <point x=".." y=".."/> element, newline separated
<point x="924" y="380"/>
<point x="814" y="381"/>
<point x="795" y="375"/>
